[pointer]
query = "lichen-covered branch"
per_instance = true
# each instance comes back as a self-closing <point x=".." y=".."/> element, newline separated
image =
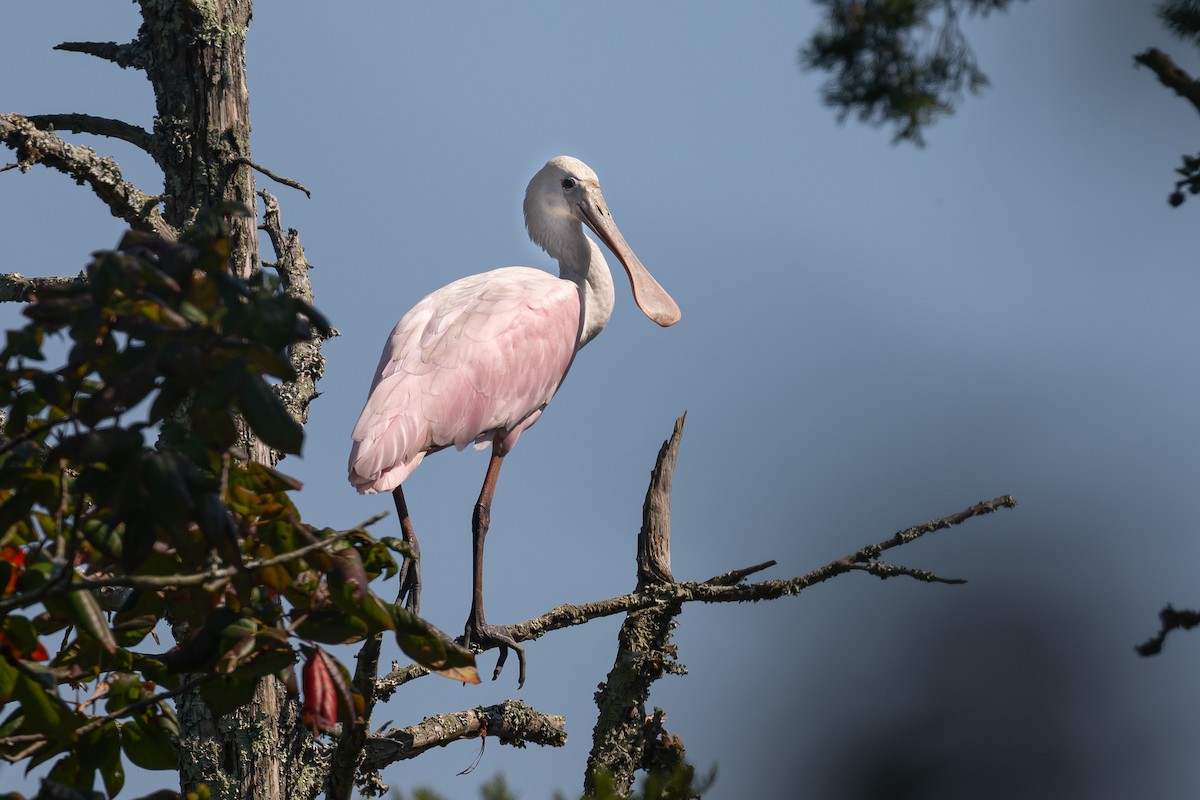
<point x="644" y="649"/>
<point x="16" y="288"/>
<point x="293" y="270"/>
<point x="512" y="722"/>
<point x="98" y="126"/>
<point x="344" y="763"/>
<point x="719" y="590"/>
<point x="35" y="146"/>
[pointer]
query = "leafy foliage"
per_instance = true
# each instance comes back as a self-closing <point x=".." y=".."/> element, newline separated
<point x="103" y="533"/>
<point x="1189" y="182"/>
<point x="899" y="62"/>
<point x="1182" y="17"/>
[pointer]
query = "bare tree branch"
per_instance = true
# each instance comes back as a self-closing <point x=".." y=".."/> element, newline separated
<point x="1171" y="75"/>
<point x="99" y="126"/>
<point x="512" y="722"/>
<point x="567" y="615"/>
<point x="277" y="178"/>
<point x="739" y="575"/>
<point x="123" y="199"/>
<point x="16" y="288"/>
<point x="123" y="55"/>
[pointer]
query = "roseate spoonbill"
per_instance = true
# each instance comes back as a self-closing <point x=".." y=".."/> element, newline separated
<point x="476" y="362"/>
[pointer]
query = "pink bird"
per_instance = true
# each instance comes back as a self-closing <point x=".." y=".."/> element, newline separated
<point x="478" y="360"/>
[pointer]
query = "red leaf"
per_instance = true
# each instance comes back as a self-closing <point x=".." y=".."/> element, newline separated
<point x="15" y="557"/>
<point x="320" y="694"/>
<point x="37" y="654"/>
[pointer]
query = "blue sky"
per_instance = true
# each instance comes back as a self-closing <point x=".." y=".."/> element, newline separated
<point x="872" y="336"/>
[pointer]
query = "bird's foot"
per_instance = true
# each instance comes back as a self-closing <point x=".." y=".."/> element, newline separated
<point x="409" y="593"/>
<point x="479" y="636"/>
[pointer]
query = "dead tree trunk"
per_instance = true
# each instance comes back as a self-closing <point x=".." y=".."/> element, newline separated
<point x="194" y="55"/>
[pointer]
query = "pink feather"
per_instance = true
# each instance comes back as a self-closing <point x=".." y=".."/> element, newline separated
<point x="477" y="358"/>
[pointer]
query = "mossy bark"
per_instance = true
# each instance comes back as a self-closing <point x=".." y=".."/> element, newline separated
<point x="194" y="54"/>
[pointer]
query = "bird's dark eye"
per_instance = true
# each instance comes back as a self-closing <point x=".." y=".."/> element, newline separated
<point x="568" y="183"/>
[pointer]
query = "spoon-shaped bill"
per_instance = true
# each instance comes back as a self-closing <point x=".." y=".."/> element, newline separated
<point x="647" y="293"/>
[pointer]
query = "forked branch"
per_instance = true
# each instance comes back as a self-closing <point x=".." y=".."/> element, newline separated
<point x="729" y="588"/>
<point x="35" y="146"/>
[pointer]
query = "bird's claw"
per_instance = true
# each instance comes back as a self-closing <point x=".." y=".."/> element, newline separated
<point x="479" y="636"/>
<point x="410" y="585"/>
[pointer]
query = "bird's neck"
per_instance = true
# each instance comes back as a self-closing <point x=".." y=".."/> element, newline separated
<point x="584" y="265"/>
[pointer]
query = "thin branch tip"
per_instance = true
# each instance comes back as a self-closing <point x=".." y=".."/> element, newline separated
<point x="277" y="178"/>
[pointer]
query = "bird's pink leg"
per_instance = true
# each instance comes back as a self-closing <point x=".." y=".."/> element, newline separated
<point x="410" y="571"/>
<point x="477" y="631"/>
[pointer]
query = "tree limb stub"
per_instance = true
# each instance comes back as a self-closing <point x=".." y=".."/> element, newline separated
<point x="16" y="288"/>
<point x="34" y="146"/>
<point x="644" y="648"/>
<point x="654" y="539"/>
<point x="123" y="55"/>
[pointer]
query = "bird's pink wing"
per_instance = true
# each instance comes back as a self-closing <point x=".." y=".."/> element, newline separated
<point x="478" y="357"/>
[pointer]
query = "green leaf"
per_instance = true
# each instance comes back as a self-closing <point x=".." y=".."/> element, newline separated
<point x="24" y="343"/>
<point x="332" y="627"/>
<point x="113" y="774"/>
<point x="268" y="418"/>
<point x="44" y="711"/>
<point x="148" y="745"/>
<point x="106" y="444"/>
<point x="8" y="681"/>
<point x="20" y="633"/>
<point x="100" y="750"/>
<point x="224" y="695"/>
<point x="433" y="649"/>
<point x="89" y="617"/>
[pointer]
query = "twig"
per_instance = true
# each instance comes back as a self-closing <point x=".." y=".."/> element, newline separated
<point x="40" y="739"/>
<point x="885" y="571"/>
<point x="735" y="576"/>
<point x="155" y="582"/>
<point x="273" y="176"/>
